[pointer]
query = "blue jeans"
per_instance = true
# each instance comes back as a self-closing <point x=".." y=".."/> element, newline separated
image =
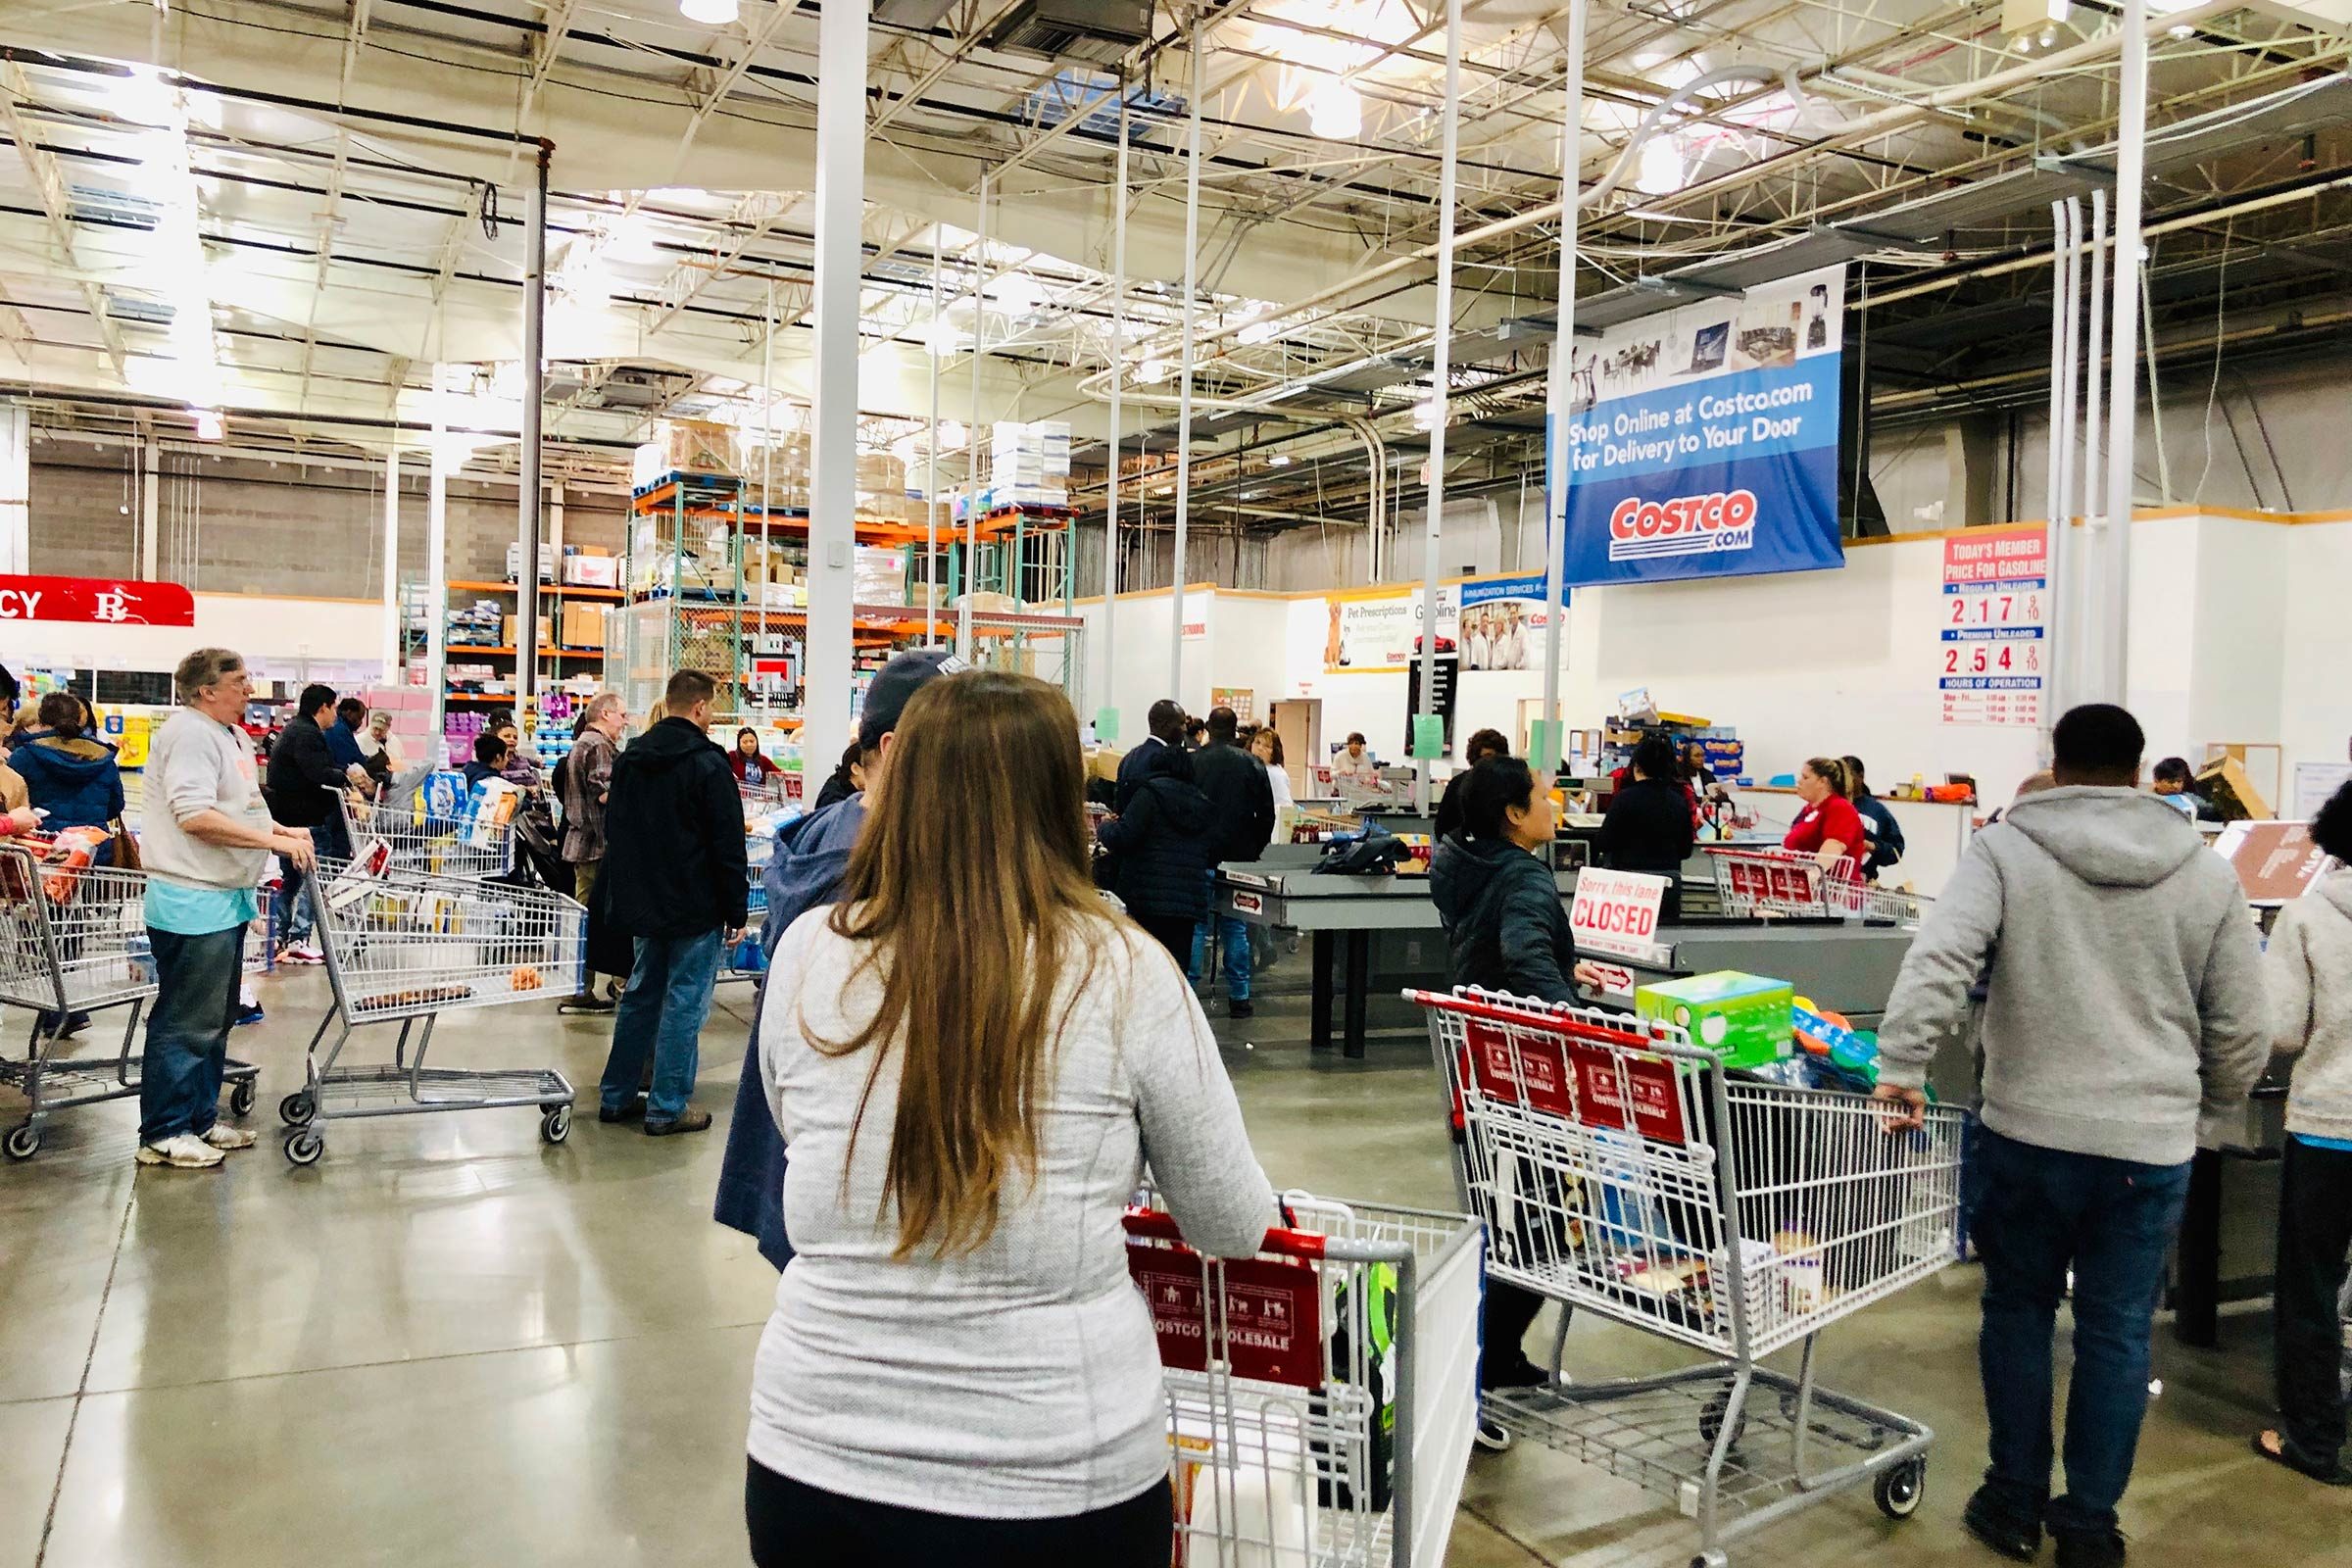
<point x="661" y="1013"/>
<point x="187" y="1031"/>
<point x="1235" y="935"/>
<point x="2041" y="1212"/>
<point x="293" y="917"/>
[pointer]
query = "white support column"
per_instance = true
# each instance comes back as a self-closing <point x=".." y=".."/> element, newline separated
<point x="1118" y="377"/>
<point x="16" y="488"/>
<point x="833" y="420"/>
<point x="1562" y="387"/>
<point x="151" y="470"/>
<point x="526" y="494"/>
<point x="2131" y="156"/>
<point x="395" y="614"/>
<point x="1441" y="372"/>
<point x="931" y="458"/>
<point x="1184" y="395"/>
<point x="2058" y="657"/>
<point x="2088" y="542"/>
<point x="436" y="567"/>
<point x="971" y="432"/>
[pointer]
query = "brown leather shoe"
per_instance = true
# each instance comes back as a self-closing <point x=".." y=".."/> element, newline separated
<point x="686" y="1122"/>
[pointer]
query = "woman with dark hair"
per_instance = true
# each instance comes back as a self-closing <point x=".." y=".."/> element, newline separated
<point x="2174" y="780"/>
<point x="846" y="778"/>
<point x="2309" y="966"/>
<point x="969" y="1057"/>
<point x="1506" y="930"/>
<point x="1882" y="832"/>
<point x="1477" y="749"/>
<point x="68" y="774"/>
<point x="751" y="767"/>
<point x="1648" y="827"/>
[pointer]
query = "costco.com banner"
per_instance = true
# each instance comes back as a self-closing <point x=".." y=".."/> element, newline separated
<point x="1704" y="439"/>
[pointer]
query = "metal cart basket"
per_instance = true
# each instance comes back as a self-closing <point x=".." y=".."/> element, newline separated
<point x="74" y="939"/>
<point x="1792" y="885"/>
<point x="403" y="947"/>
<point x="1320" y="1395"/>
<point x="1624" y="1172"/>
<point x="435" y="843"/>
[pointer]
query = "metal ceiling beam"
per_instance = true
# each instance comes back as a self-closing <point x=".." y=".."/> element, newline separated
<point x="50" y="187"/>
<point x="326" y="256"/>
<point x="355" y="37"/>
<point x="544" y="51"/>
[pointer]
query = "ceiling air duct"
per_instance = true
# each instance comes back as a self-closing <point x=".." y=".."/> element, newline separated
<point x="1101" y="31"/>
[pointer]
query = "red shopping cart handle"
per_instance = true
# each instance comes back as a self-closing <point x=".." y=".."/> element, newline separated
<point x="1532" y="1012"/>
<point x="1151" y="1224"/>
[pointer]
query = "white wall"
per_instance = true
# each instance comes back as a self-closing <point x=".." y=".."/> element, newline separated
<point x="276" y="636"/>
<point x="2239" y="634"/>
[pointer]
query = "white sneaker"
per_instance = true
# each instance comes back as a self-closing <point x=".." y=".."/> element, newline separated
<point x="300" y="952"/>
<point x="221" y="1134"/>
<point x="181" y="1151"/>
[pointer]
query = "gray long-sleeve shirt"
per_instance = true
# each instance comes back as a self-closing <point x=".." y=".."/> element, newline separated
<point x="2126" y="995"/>
<point x="1021" y="1380"/>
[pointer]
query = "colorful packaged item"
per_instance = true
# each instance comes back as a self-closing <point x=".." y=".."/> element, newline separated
<point x="1745" y="1019"/>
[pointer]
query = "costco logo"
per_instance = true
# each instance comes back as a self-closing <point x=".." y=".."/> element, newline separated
<point x="1686" y="525"/>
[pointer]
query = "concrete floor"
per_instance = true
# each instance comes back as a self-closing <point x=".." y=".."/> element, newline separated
<point x="449" y="1343"/>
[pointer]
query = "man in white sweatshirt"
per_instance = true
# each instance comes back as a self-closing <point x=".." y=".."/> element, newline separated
<point x="2125" y="1000"/>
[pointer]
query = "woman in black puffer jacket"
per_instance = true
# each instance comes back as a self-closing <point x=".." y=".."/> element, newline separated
<point x="1166" y="844"/>
<point x="1505" y="931"/>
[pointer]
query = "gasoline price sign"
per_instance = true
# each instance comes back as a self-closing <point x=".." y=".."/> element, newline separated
<point x="1993" y="626"/>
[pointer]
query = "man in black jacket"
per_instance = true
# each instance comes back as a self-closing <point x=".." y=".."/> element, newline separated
<point x="301" y="787"/>
<point x="1243" y="797"/>
<point x="675" y="879"/>
<point x="1165" y="722"/>
<point x="1164" y="841"/>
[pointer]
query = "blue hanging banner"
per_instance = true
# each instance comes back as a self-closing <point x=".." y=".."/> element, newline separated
<point x="1704" y="441"/>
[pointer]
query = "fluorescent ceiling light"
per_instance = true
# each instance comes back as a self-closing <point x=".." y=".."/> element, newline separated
<point x="209" y="426"/>
<point x="1280" y="459"/>
<point x="1019" y="293"/>
<point x="634" y="238"/>
<point x="1258" y="332"/>
<point x="942" y="336"/>
<point x="710" y="13"/>
<point x="1425" y="413"/>
<point x="1335" y="112"/>
<point x="1152" y="371"/>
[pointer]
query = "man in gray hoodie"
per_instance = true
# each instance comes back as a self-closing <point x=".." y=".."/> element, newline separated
<point x="2123" y="1001"/>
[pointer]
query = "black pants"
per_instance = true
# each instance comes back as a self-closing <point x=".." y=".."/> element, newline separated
<point x="1174" y="932"/>
<point x="2314" y="1227"/>
<point x="1503" y="1321"/>
<point x="796" y="1526"/>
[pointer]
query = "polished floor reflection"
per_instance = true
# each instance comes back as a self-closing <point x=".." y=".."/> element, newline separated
<point x="449" y="1343"/>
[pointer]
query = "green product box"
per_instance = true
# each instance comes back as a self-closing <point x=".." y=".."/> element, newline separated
<point x="1743" y="1018"/>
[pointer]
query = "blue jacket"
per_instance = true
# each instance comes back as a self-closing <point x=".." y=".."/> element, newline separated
<point x="76" y="781"/>
<point x="1885" y="834"/>
<point x="812" y="857"/>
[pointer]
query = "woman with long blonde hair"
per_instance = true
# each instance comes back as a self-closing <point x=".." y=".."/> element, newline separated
<point x="970" y="1058"/>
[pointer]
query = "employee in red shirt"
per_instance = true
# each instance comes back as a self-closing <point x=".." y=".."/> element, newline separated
<point x="1828" y="828"/>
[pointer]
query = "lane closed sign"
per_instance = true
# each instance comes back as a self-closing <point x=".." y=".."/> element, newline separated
<point x="1616" y="912"/>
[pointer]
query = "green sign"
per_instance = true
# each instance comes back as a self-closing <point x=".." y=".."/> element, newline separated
<point x="1106" y="725"/>
<point x="1543" y="745"/>
<point x="1428" y="736"/>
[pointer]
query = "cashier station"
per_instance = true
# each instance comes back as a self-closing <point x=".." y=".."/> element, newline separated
<point x="1356" y="923"/>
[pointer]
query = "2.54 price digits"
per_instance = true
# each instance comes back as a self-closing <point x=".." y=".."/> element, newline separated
<point x="1988" y="659"/>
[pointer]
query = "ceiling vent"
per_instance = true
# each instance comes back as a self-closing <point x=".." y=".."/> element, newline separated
<point x="1100" y="30"/>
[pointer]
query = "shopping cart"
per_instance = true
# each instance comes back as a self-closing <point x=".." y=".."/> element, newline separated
<point x="1320" y="1403"/>
<point x="434" y="842"/>
<point x="1621" y="1171"/>
<point x="75" y="940"/>
<point x="403" y="945"/>
<point x="746" y="959"/>
<point x="1788" y="883"/>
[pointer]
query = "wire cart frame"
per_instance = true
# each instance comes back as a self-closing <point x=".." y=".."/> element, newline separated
<point x="403" y="947"/>
<point x="1623" y="1171"/>
<point x="423" y="842"/>
<point x="74" y="939"/>
<point x="1320" y="1395"/>
<point x="1788" y="884"/>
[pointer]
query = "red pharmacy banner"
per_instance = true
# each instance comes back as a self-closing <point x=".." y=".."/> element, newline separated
<point x="96" y="601"/>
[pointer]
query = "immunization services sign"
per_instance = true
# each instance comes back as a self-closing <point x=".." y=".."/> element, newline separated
<point x="1704" y="441"/>
<point x="1491" y="623"/>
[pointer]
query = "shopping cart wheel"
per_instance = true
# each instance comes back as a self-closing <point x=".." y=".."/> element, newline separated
<point x="304" y="1147"/>
<point x="1710" y="1419"/>
<point x="23" y="1141"/>
<point x="1710" y="1560"/>
<point x="241" y="1099"/>
<point x="555" y="1123"/>
<point x="297" y="1110"/>
<point x="1899" y="1489"/>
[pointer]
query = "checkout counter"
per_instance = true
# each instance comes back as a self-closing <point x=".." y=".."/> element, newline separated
<point x="1356" y="923"/>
